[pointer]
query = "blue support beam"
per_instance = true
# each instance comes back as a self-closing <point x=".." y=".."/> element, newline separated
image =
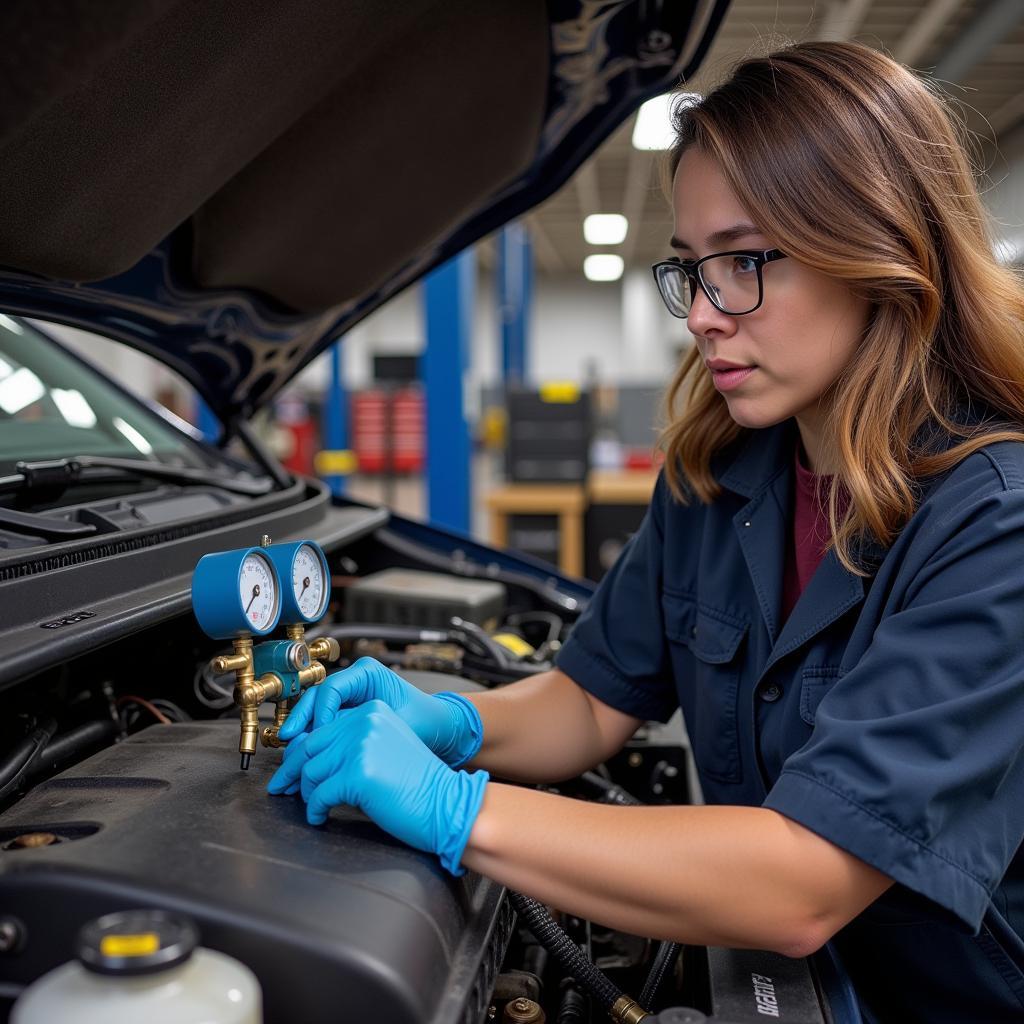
<point x="336" y="461"/>
<point x="515" y="293"/>
<point x="448" y="295"/>
<point x="207" y="422"/>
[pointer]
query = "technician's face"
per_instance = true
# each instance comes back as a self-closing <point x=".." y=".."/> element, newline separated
<point x="780" y="360"/>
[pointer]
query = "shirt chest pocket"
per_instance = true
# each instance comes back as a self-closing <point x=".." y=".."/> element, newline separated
<point x="706" y="647"/>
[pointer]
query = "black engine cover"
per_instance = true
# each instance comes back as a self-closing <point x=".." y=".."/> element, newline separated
<point x="338" y="923"/>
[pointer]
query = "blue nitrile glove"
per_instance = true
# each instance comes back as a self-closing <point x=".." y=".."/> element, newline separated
<point x="369" y="758"/>
<point x="446" y="722"/>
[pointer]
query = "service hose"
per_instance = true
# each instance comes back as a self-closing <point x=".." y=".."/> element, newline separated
<point x="612" y="1000"/>
<point x="664" y="961"/>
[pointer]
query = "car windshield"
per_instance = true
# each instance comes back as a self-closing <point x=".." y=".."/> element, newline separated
<point x="54" y="406"/>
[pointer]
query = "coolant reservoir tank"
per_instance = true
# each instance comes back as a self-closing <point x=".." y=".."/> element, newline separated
<point x="143" y="966"/>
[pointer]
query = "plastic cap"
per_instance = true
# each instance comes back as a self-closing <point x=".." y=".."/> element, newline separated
<point x="136" y="942"/>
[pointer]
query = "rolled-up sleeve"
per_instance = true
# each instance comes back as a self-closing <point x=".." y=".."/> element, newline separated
<point x="915" y="762"/>
<point x="617" y="649"/>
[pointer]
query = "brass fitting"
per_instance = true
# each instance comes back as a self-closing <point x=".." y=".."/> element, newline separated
<point x="627" y="1011"/>
<point x="268" y="737"/>
<point x="325" y="648"/>
<point x="241" y="664"/>
<point x="231" y="662"/>
<point x="316" y="673"/>
<point x="522" y="1011"/>
<point x="249" y="695"/>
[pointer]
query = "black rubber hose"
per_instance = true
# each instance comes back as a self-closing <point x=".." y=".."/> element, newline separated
<point x="536" y="917"/>
<point x="610" y="792"/>
<point x="573" y="1006"/>
<point x="17" y="768"/>
<point x="490" y="647"/>
<point x="664" y="961"/>
<point x="554" y="623"/>
<point x="382" y="631"/>
<point x="71" y="746"/>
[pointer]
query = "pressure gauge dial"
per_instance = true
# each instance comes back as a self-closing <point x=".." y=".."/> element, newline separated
<point x="236" y="593"/>
<point x="306" y="580"/>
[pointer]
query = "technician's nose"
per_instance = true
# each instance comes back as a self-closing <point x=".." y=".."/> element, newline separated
<point x="706" y="319"/>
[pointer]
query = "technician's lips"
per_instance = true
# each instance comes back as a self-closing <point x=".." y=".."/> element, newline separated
<point x="726" y="379"/>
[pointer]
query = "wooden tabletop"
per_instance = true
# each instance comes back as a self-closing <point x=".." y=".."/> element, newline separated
<point x="621" y="486"/>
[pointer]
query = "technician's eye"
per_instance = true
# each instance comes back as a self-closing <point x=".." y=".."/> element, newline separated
<point x="744" y="264"/>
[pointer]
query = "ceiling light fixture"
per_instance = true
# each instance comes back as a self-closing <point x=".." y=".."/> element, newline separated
<point x="653" y="126"/>
<point x="603" y="267"/>
<point x="605" y="228"/>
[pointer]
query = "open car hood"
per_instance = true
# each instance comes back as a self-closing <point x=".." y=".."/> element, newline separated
<point x="231" y="186"/>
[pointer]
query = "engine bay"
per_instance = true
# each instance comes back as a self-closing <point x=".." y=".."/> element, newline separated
<point x="120" y="788"/>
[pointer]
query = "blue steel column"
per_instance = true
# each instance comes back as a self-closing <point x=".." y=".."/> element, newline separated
<point x="207" y="421"/>
<point x="448" y="297"/>
<point x="515" y="292"/>
<point x="335" y="422"/>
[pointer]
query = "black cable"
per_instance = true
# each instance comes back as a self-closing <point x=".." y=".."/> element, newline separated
<point x="491" y="647"/>
<point x="536" y="917"/>
<point x="18" y="768"/>
<point x="611" y="793"/>
<point x="664" y="961"/>
<point x="554" y="622"/>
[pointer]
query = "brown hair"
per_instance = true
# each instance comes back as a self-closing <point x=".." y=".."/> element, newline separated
<point x="855" y="168"/>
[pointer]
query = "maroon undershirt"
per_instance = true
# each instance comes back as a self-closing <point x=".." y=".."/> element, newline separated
<point x="805" y="546"/>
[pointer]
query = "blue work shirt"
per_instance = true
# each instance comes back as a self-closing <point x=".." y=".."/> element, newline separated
<point x="886" y="714"/>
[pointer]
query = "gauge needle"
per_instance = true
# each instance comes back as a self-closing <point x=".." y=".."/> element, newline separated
<point x="305" y="584"/>
<point x="255" y="594"/>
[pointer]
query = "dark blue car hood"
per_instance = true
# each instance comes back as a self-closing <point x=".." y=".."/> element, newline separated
<point x="230" y="187"/>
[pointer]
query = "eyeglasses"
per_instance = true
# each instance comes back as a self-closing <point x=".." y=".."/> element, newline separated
<point x="731" y="280"/>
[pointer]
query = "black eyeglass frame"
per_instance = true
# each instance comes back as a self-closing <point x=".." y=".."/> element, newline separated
<point x="692" y="270"/>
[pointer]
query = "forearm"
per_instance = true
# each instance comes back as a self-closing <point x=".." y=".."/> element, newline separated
<point x="541" y="729"/>
<point x="726" y="876"/>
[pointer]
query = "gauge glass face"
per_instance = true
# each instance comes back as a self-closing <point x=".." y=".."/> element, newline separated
<point x="308" y="583"/>
<point x="256" y="590"/>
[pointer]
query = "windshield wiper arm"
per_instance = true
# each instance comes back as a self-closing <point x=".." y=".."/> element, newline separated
<point x="58" y="474"/>
<point x="47" y="527"/>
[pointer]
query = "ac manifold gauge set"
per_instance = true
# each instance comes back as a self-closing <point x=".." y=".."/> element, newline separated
<point x="242" y="596"/>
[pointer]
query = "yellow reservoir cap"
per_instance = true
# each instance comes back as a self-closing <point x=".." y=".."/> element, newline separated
<point x="516" y="644"/>
<point x="130" y="945"/>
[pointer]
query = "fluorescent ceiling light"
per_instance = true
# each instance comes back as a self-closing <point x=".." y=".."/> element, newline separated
<point x="605" y="228"/>
<point x="133" y="436"/>
<point x="603" y="267"/>
<point x="20" y="390"/>
<point x="653" y="126"/>
<point x="73" y="407"/>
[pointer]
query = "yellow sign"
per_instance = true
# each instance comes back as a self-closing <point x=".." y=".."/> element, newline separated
<point x="335" y="463"/>
<point x="130" y="945"/>
<point x="559" y="392"/>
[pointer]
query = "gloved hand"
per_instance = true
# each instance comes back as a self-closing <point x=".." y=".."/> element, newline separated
<point x="371" y="759"/>
<point x="446" y="722"/>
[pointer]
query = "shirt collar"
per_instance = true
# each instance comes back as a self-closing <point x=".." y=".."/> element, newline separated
<point x="758" y="458"/>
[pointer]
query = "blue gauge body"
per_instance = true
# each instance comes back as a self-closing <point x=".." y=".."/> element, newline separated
<point x="284" y="658"/>
<point x="217" y="600"/>
<point x="283" y="557"/>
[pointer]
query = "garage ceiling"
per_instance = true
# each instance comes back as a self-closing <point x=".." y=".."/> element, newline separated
<point x="976" y="47"/>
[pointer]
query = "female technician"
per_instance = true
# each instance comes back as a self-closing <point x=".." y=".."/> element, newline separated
<point x="829" y="581"/>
